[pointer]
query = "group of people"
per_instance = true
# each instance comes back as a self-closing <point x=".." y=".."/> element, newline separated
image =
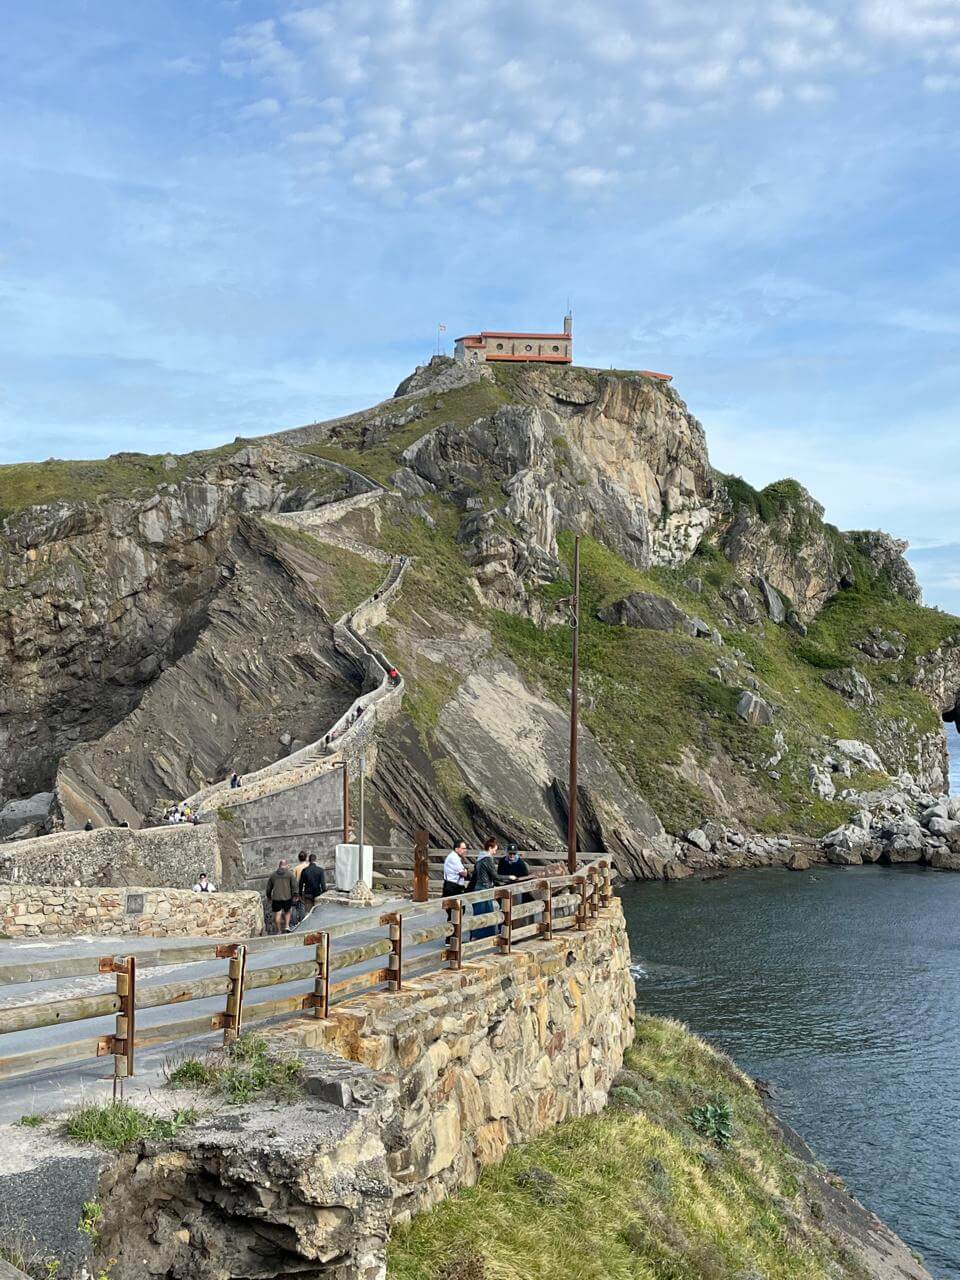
<point x="487" y="873"/>
<point x="181" y="813"/>
<point x="292" y="892"/>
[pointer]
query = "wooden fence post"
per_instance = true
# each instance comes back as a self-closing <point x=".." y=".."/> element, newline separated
<point x="505" y="934"/>
<point x="421" y="866"/>
<point x="394" y="921"/>
<point x="455" y="940"/>
<point x="546" y="927"/>
<point x="236" y="973"/>
<point x="606" y="892"/>
<point x="580" y="883"/>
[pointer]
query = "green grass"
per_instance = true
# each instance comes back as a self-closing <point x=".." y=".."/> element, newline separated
<point x="123" y="475"/>
<point x="240" y="1073"/>
<point x="119" y="1124"/>
<point x="32" y="1121"/>
<point x="636" y="1193"/>
<point x="342" y="579"/>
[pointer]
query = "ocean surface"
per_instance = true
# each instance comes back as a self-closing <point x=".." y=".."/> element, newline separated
<point x="953" y="742"/>
<point x="842" y="988"/>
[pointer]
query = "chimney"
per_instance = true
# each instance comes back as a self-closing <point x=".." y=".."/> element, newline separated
<point x="568" y="324"/>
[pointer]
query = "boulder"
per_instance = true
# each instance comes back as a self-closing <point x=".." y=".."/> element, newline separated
<point x="844" y="857"/>
<point x="943" y="827"/>
<point x="20" y="819"/>
<point x="798" y="862"/>
<point x="753" y="709"/>
<point x="821" y="782"/>
<point x="742" y="603"/>
<point x="850" y="684"/>
<point x="773" y="601"/>
<point x="860" y="753"/>
<point x="848" y="839"/>
<point x="939" y="811"/>
<point x="699" y="839"/>
<point x="903" y="849"/>
<point x="945" y="859"/>
<point x="645" y="609"/>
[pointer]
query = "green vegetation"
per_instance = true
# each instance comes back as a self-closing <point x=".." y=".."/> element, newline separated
<point x="342" y="579"/>
<point x="119" y="1124"/>
<point x="244" y="1070"/>
<point x="32" y="1121"/>
<point x="91" y="1220"/>
<point x="123" y="475"/>
<point x="640" y="1192"/>
<point x="26" y="1256"/>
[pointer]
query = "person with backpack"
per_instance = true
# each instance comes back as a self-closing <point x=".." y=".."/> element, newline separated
<point x="313" y="882"/>
<point x="484" y="877"/>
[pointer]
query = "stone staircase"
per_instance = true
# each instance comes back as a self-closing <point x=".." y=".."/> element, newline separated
<point x="378" y="698"/>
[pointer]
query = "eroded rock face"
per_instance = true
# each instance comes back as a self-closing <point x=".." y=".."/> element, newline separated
<point x="618" y="458"/>
<point x="106" y="600"/>
<point x="887" y="555"/>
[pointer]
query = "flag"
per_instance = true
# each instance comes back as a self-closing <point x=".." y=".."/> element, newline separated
<point x="441" y="328"/>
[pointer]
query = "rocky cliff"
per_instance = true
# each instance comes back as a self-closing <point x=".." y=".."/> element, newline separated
<point x="158" y="629"/>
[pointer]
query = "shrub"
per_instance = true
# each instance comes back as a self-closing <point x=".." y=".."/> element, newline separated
<point x="714" y="1120"/>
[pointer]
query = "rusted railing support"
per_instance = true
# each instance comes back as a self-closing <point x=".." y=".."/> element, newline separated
<point x="319" y="1001"/>
<point x="593" y="897"/>
<point x="394" y="922"/>
<point x="454" y="951"/>
<point x="582" y="889"/>
<point x="421" y="866"/>
<point x="505" y="935"/>
<point x="236" y="973"/>
<point x="606" y="883"/>
<point x="546" y="926"/>
<point x="123" y="1040"/>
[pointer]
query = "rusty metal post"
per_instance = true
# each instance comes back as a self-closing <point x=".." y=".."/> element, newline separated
<point x="394" y="922"/>
<point x="580" y="883"/>
<point x="606" y="881"/>
<point x="454" y="908"/>
<point x="421" y="866"/>
<point x="236" y="974"/>
<point x="546" y="927"/>
<point x="574" y="713"/>
<point x="124" y="1037"/>
<point x="319" y="1000"/>
<point x="505" y="935"/>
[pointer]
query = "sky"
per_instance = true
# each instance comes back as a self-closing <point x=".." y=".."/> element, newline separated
<point x="228" y="217"/>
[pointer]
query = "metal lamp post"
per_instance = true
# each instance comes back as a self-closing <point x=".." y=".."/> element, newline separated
<point x="574" y="710"/>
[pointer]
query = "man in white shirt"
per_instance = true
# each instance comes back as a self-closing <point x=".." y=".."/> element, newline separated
<point x="455" y="873"/>
<point x="204" y="885"/>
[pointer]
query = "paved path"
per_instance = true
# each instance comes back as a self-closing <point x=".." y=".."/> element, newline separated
<point x="59" y="1087"/>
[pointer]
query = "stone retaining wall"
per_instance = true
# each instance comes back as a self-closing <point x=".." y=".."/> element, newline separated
<point x="35" y="910"/>
<point x="172" y="856"/>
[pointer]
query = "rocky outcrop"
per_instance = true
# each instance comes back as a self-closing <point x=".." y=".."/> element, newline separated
<point x="791" y="550"/>
<point x="656" y="613"/>
<point x="887" y="557"/>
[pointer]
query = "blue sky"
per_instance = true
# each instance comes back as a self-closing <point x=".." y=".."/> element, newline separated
<point x="225" y="218"/>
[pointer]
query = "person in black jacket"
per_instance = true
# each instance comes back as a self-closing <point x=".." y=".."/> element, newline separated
<point x="313" y="882"/>
<point x="511" y="866"/>
<point x="484" y="877"/>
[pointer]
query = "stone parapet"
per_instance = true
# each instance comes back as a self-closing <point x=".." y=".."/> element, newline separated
<point x="37" y="910"/>
<point x="170" y="855"/>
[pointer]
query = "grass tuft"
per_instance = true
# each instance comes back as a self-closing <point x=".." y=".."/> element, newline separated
<point x="117" y="1125"/>
<point x="241" y="1072"/>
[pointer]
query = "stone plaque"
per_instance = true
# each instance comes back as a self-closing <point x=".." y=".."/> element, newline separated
<point x="134" y="904"/>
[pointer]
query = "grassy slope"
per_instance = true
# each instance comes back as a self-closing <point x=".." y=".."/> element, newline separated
<point x="639" y="1194"/>
<point x="341" y="578"/>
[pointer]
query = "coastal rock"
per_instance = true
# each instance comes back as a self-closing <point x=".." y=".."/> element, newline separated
<point x="861" y="754"/>
<point x="645" y="609"/>
<point x="850" y="684"/>
<point x="887" y="555"/>
<point x="753" y="709"/>
<point x="699" y="840"/>
<point x="798" y="862"/>
<point x="773" y="600"/>
<point x="742" y="603"/>
<point x="844" y="857"/>
<point x="945" y="859"/>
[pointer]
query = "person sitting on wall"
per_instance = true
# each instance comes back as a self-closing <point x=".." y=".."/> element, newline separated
<point x="393" y="675"/>
<point x="455" y="870"/>
<point x="281" y="891"/>
<point x="484" y="877"/>
<point x="204" y="884"/>
<point x="313" y="882"/>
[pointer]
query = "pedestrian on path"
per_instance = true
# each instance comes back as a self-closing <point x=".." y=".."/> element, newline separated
<point x="281" y="890"/>
<point x="455" y="873"/>
<point x="298" y="870"/>
<point x="313" y="882"/>
<point x="484" y="877"/>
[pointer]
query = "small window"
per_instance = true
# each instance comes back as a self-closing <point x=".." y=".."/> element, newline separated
<point x="528" y="347"/>
<point x="499" y="346"/>
<point x="555" y="347"/>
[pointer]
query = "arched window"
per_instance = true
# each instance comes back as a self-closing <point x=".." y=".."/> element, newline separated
<point x="499" y="346"/>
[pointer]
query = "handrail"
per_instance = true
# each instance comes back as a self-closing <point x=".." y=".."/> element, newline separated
<point x="554" y="902"/>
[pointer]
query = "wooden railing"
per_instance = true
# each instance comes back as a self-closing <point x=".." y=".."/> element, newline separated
<point x="418" y="939"/>
<point x="396" y="867"/>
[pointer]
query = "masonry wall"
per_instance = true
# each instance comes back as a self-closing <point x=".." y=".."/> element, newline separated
<point x="35" y="910"/>
<point x="172" y="856"/>
<point x="307" y="816"/>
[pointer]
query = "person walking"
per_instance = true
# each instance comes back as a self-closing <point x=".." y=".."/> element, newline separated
<point x="204" y="884"/>
<point x="234" y="780"/>
<point x="298" y="912"/>
<point x="313" y="882"/>
<point x="455" y="875"/>
<point x="484" y="877"/>
<point x="281" y="890"/>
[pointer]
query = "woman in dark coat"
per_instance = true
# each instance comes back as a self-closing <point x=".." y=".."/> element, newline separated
<point x="484" y="877"/>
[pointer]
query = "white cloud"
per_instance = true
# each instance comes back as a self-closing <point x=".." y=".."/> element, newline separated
<point x="769" y="98"/>
<point x="262" y="109"/>
<point x="941" y="83"/>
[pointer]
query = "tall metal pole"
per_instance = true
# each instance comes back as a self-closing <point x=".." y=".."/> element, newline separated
<point x="346" y="804"/>
<point x="574" y="710"/>
<point x="363" y="765"/>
